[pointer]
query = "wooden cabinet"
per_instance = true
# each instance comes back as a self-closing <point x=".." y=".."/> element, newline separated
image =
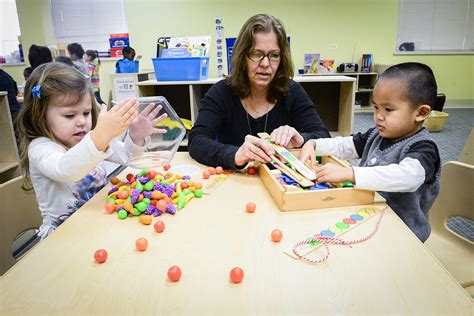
<point x="9" y="159"/>
<point x="333" y="97"/>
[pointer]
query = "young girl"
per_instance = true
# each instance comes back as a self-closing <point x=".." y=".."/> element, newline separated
<point x="399" y="158"/>
<point x="64" y="140"/>
<point x="93" y="66"/>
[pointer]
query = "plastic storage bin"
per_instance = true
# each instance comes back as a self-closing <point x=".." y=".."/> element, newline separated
<point x="162" y="147"/>
<point x="181" y="69"/>
<point x="436" y="121"/>
<point x="128" y="66"/>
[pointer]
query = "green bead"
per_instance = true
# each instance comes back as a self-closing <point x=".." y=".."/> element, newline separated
<point x="319" y="159"/>
<point x="186" y="191"/>
<point x="129" y="199"/>
<point x="122" y="214"/>
<point x="164" y="182"/>
<point x="139" y="187"/>
<point x="149" y="185"/>
<point x="181" y="203"/>
<point x="347" y="184"/>
<point x="143" y="172"/>
<point x="141" y="206"/>
<point x="146" y="201"/>
<point x="111" y="200"/>
<point x="198" y="193"/>
<point x="181" y="194"/>
<point x="135" y="212"/>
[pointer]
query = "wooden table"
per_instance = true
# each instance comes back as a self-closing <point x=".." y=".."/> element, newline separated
<point x="392" y="273"/>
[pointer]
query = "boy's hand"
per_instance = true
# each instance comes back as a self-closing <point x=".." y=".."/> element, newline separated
<point x="144" y="124"/>
<point x="309" y="152"/>
<point x="113" y="123"/>
<point x="332" y="173"/>
<point x="287" y="136"/>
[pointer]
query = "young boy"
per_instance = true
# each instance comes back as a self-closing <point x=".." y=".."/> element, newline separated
<point x="399" y="158"/>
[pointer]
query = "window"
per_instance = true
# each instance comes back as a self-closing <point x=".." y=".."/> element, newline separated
<point x="436" y="26"/>
<point x="9" y="31"/>
<point x="88" y="22"/>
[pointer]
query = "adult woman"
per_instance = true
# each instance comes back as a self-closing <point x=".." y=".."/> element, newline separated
<point x="258" y="96"/>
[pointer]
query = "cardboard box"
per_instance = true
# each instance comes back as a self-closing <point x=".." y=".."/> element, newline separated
<point x="116" y="52"/>
<point x="305" y="200"/>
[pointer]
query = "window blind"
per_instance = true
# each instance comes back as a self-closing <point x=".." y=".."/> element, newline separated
<point x="88" y="22"/>
<point x="436" y="26"/>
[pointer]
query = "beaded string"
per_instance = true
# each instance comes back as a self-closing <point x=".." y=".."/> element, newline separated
<point x="325" y="241"/>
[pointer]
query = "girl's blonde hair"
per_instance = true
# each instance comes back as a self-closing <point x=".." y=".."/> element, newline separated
<point x="239" y="80"/>
<point x="45" y="82"/>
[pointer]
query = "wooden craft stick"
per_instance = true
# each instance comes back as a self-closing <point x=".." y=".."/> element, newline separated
<point x="290" y="173"/>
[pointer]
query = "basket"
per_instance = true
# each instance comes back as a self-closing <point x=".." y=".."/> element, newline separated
<point x="435" y="122"/>
<point x="181" y="69"/>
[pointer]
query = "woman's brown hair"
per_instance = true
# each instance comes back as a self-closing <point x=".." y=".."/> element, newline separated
<point x="45" y="82"/>
<point x="239" y="80"/>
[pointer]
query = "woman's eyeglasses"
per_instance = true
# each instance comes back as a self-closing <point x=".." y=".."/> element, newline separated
<point x="258" y="56"/>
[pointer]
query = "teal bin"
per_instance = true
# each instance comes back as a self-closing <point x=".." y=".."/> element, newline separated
<point x="181" y="69"/>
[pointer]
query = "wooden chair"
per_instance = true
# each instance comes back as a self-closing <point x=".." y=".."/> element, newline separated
<point x="467" y="153"/>
<point x="456" y="198"/>
<point x="19" y="212"/>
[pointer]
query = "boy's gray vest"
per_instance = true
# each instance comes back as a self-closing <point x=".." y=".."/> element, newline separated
<point x="411" y="207"/>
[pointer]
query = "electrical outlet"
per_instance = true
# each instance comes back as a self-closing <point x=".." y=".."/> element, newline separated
<point x="332" y="46"/>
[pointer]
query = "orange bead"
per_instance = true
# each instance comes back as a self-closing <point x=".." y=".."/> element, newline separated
<point x="212" y="170"/>
<point x="141" y="244"/>
<point x="206" y="174"/>
<point x="109" y="207"/>
<point x="276" y="235"/>
<point x="128" y="206"/>
<point x="161" y="205"/>
<point x="219" y="170"/>
<point x="123" y="194"/>
<point x="250" y="207"/>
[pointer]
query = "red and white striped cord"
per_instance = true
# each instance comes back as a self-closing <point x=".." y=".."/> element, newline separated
<point x="325" y="241"/>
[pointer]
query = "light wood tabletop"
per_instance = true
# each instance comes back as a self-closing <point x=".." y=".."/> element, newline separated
<point x="391" y="273"/>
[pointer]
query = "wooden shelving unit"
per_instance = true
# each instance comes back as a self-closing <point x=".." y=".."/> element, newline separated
<point x="9" y="159"/>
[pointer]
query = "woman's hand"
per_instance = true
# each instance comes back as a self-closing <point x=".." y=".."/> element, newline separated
<point x="332" y="173"/>
<point x="287" y="137"/>
<point x="113" y="123"/>
<point x="253" y="148"/>
<point x="309" y="152"/>
<point x="144" y="124"/>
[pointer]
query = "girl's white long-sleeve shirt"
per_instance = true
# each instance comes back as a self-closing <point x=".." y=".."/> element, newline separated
<point x="63" y="180"/>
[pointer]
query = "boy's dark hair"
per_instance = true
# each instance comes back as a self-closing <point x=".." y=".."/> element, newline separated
<point x="419" y="80"/>
<point x="38" y="55"/>
<point x="127" y="51"/>
<point x="76" y="49"/>
<point x="64" y="59"/>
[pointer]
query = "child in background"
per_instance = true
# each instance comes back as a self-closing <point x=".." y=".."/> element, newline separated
<point x="64" y="140"/>
<point x="93" y="66"/>
<point x="76" y="52"/>
<point x="128" y="55"/>
<point x="399" y="158"/>
<point x="27" y="72"/>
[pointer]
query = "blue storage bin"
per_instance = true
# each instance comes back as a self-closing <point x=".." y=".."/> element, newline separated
<point x="126" y="66"/>
<point x="181" y="69"/>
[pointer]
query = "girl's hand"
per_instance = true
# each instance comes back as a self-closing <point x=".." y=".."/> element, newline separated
<point x="253" y="148"/>
<point x="287" y="137"/>
<point x="144" y="124"/>
<point x="332" y="173"/>
<point x="113" y="123"/>
<point x="309" y="152"/>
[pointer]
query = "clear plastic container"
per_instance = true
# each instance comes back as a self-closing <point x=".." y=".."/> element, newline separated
<point x="162" y="147"/>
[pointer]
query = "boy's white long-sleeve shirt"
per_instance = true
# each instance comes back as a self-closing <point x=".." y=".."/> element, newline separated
<point x="390" y="178"/>
<point x="64" y="180"/>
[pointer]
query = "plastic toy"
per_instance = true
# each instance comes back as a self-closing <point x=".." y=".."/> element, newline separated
<point x="141" y="244"/>
<point x="100" y="256"/>
<point x="236" y="275"/>
<point x="174" y="273"/>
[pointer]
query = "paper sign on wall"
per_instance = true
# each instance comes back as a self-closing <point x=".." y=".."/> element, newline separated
<point x="124" y="88"/>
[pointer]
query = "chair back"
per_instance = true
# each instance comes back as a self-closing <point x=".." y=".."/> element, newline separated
<point x="456" y="198"/>
<point x="19" y="213"/>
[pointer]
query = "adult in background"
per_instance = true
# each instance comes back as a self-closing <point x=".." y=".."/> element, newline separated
<point x="259" y="96"/>
<point x="38" y="55"/>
